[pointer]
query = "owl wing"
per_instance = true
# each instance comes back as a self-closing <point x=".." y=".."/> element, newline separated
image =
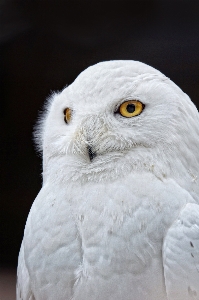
<point x="23" y="279"/>
<point x="181" y="255"/>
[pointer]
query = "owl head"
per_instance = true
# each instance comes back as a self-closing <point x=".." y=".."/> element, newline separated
<point x="118" y="117"/>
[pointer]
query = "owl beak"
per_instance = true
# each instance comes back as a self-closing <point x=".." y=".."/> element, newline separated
<point x="91" y="153"/>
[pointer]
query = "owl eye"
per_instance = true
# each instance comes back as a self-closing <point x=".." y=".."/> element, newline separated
<point x="131" y="108"/>
<point x="67" y="115"/>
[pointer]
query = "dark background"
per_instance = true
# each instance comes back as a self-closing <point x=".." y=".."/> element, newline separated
<point x="44" y="45"/>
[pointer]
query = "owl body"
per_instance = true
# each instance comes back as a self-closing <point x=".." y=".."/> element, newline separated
<point x="106" y="245"/>
<point x="110" y="219"/>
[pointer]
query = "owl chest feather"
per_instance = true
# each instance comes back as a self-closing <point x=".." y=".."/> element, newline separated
<point x="110" y="233"/>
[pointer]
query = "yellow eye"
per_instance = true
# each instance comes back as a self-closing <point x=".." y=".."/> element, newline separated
<point x="67" y="115"/>
<point x="131" y="108"/>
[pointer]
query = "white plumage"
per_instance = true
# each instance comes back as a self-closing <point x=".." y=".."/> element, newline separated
<point x="117" y="216"/>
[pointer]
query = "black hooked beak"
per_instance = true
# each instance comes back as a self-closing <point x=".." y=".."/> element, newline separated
<point x="91" y="153"/>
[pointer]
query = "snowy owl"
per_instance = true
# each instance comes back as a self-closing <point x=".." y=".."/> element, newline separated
<point x="117" y="217"/>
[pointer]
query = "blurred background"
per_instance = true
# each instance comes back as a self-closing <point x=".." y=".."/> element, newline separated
<point x="44" y="45"/>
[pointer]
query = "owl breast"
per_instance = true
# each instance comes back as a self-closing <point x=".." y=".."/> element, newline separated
<point x="102" y="240"/>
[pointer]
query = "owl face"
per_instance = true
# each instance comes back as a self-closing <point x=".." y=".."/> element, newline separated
<point x="121" y="112"/>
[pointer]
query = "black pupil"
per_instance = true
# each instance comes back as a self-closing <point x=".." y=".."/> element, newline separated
<point x="130" y="108"/>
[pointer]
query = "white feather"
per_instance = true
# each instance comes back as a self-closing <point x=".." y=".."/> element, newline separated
<point x="96" y="229"/>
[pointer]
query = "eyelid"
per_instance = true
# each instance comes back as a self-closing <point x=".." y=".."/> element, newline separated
<point x="117" y="107"/>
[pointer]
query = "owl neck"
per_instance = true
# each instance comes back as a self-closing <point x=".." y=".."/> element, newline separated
<point x="162" y="164"/>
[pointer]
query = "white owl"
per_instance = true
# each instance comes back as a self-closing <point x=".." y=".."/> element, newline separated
<point x="117" y="217"/>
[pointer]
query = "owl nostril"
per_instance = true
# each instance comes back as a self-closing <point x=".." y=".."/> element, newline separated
<point x="91" y="153"/>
